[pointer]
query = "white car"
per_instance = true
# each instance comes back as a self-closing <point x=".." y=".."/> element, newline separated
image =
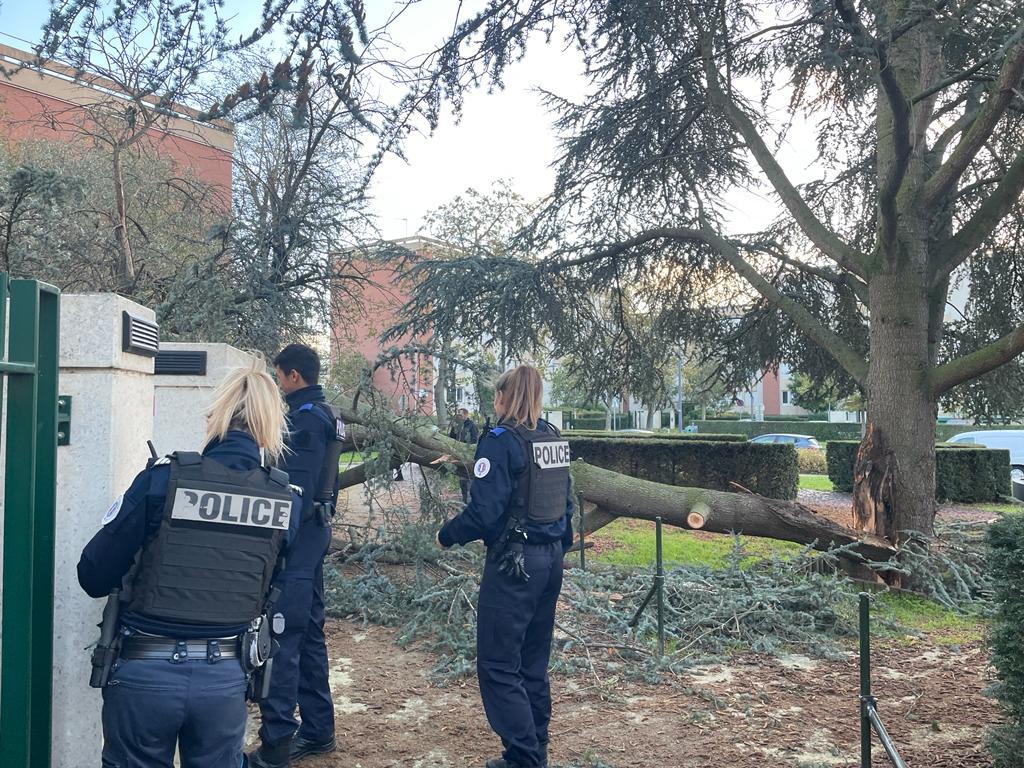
<point x="1008" y="439"/>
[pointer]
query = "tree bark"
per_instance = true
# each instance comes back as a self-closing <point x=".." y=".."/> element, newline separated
<point x="124" y="271"/>
<point x="894" y="476"/>
<point x="608" y="495"/>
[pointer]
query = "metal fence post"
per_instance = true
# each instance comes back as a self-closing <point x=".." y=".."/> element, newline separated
<point x="865" y="680"/>
<point x="659" y="584"/>
<point x="583" y="535"/>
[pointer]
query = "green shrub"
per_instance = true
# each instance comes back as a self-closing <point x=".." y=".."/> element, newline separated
<point x="768" y="469"/>
<point x="822" y="430"/>
<point x="962" y="473"/>
<point x="811" y="461"/>
<point x="601" y="434"/>
<point x="1006" y="565"/>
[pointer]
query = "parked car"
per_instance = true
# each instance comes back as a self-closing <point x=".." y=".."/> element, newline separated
<point x="1009" y="439"/>
<point x="797" y="441"/>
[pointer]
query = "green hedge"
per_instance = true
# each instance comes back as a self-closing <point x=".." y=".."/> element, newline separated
<point x="822" y="430"/>
<point x="770" y="469"/>
<point x="1006" y="567"/>
<point x="962" y="473"/>
<point x="602" y="434"/>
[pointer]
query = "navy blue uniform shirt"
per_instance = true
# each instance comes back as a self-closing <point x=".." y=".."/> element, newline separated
<point x="486" y="514"/>
<point x="310" y="429"/>
<point x="136" y="516"/>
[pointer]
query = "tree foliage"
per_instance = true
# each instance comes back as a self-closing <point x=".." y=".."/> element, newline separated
<point x="916" y="117"/>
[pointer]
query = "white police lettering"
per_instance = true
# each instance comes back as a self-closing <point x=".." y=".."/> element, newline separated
<point x="551" y="454"/>
<point x="114" y="509"/>
<point x="482" y="467"/>
<point x="231" y="508"/>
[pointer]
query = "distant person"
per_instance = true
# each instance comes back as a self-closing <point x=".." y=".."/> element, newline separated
<point x="464" y="430"/>
<point x="522" y="510"/>
<point x="301" y="676"/>
<point x="178" y="680"/>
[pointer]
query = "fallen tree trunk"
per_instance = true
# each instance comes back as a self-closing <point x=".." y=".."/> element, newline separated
<point x="608" y="495"/>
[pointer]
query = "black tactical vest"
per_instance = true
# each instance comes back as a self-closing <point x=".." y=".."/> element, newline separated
<point x="543" y="486"/>
<point x="212" y="559"/>
<point x="327" y="489"/>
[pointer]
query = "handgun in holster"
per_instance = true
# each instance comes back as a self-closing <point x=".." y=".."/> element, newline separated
<point x="258" y="646"/>
<point x="109" y="645"/>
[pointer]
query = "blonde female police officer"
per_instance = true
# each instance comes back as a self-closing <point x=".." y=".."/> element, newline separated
<point x="521" y="507"/>
<point x="206" y="532"/>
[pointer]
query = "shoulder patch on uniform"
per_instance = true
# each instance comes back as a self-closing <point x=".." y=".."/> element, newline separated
<point x="114" y="509"/>
<point x="497" y="431"/>
<point x="482" y="467"/>
<point x="306" y="407"/>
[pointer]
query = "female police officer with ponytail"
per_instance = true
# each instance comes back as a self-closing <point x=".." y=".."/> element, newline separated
<point x="204" y="532"/>
<point x="521" y="507"/>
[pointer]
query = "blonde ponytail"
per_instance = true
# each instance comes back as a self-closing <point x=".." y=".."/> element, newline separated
<point x="248" y="399"/>
<point x="523" y="389"/>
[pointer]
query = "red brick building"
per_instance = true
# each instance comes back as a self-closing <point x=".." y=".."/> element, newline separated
<point x="50" y="103"/>
<point x="409" y="382"/>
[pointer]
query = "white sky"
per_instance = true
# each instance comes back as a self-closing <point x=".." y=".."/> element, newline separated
<point x="502" y="134"/>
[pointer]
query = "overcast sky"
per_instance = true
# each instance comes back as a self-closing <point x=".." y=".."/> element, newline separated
<point x="502" y="134"/>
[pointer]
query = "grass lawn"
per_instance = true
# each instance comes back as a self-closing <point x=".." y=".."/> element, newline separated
<point x="632" y="544"/>
<point x="351" y="458"/>
<point x="815" y="483"/>
<point x="914" y="612"/>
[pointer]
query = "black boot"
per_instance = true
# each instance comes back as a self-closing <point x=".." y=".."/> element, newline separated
<point x="270" y="757"/>
<point x="501" y="762"/>
<point x="302" y="747"/>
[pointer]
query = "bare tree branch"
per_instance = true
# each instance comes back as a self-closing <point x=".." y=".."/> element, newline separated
<point x="901" y="113"/>
<point x="979" y="362"/>
<point x="997" y="205"/>
<point x="1000" y="96"/>
<point x="824" y="239"/>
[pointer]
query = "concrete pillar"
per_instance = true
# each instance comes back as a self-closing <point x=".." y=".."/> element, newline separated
<point x="179" y="421"/>
<point x="111" y="419"/>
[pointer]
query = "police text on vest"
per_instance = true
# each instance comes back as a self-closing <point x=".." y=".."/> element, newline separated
<point x="231" y="508"/>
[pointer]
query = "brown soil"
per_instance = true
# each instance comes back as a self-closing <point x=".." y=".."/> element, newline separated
<point x="838" y="507"/>
<point x="755" y="710"/>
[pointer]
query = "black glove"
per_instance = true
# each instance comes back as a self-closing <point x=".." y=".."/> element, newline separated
<point x="513" y="564"/>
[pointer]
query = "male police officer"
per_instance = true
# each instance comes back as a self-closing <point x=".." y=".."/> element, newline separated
<point x="300" y="673"/>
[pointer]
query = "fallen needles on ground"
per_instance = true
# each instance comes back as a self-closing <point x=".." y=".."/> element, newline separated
<point x="767" y="605"/>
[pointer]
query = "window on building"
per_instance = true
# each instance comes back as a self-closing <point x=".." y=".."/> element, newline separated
<point x="785" y="397"/>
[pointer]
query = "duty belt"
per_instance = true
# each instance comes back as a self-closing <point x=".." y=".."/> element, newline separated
<point x="151" y="647"/>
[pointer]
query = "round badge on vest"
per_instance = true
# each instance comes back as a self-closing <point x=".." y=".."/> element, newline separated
<point x="482" y="467"/>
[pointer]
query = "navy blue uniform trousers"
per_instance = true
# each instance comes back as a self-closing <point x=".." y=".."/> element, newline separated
<point x="300" y="673"/>
<point x="515" y="624"/>
<point x="152" y="705"/>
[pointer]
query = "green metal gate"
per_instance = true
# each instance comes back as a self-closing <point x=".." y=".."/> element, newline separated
<point x="29" y="327"/>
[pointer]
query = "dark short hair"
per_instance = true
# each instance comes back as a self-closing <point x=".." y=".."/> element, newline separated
<point x="299" y="357"/>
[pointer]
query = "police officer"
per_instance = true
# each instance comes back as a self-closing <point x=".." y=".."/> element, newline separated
<point x="521" y="508"/>
<point x="300" y="674"/>
<point x="464" y="430"/>
<point x="204" y="532"/>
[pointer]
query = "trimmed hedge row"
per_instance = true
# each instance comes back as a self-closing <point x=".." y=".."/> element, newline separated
<point x="1006" y="568"/>
<point x="769" y="469"/>
<point x="601" y="434"/>
<point x="965" y="474"/>
<point x="822" y="430"/>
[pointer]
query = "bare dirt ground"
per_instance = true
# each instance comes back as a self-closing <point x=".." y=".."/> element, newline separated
<point x="838" y="506"/>
<point x="755" y="710"/>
